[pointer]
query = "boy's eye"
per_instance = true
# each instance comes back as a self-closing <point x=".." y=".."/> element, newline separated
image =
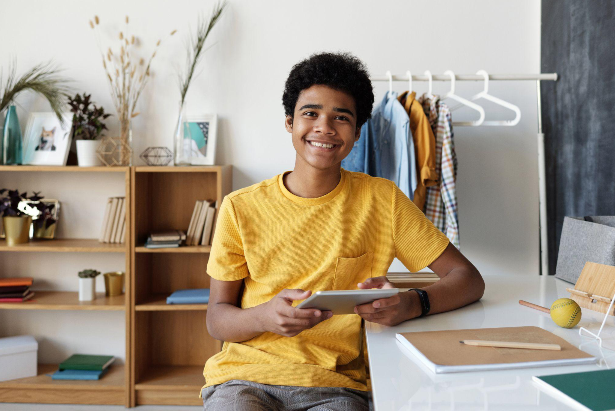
<point x="344" y="118"/>
<point x="309" y="113"/>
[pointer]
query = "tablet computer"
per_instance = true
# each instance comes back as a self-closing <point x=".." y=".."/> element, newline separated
<point x="344" y="301"/>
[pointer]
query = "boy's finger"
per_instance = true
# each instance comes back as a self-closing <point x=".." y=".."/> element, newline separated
<point x="386" y="302"/>
<point x="293" y="312"/>
<point x="373" y="282"/>
<point x="292" y="295"/>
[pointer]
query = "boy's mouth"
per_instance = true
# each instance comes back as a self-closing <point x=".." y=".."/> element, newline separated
<point x="321" y="145"/>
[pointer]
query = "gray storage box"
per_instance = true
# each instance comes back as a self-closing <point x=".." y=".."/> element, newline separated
<point x="585" y="239"/>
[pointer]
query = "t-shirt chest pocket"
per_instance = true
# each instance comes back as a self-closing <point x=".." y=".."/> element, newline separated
<point x="352" y="270"/>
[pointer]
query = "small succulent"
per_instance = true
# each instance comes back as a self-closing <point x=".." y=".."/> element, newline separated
<point x="19" y="205"/>
<point x="89" y="273"/>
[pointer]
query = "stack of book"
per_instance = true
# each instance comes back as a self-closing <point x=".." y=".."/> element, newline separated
<point x="113" y="228"/>
<point x="203" y="222"/>
<point x="83" y="367"/>
<point x="192" y="296"/>
<point x="15" y="290"/>
<point x="165" y="239"/>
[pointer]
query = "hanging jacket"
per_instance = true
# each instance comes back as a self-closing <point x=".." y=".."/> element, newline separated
<point x="424" y="146"/>
<point x="385" y="148"/>
<point x="441" y="200"/>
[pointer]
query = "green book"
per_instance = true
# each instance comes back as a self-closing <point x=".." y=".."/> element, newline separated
<point x="87" y="362"/>
<point x="592" y="390"/>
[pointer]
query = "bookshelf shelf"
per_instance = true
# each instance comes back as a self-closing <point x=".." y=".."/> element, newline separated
<point x="182" y="249"/>
<point x="65" y="300"/>
<point x="180" y="169"/>
<point x="74" y="169"/>
<point x="159" y="303"/>
<point x="66" y="245"/>
<point x="171" y="385"/>
<point x="110" y="389"/>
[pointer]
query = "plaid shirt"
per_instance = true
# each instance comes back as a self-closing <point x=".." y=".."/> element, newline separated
<point x="441" y="200"/>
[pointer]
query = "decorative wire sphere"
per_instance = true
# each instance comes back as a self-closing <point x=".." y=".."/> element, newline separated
<point x="157" y="156"/>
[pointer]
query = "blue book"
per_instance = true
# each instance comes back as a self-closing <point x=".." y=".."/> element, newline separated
<point x="193" y="296"/>
<point x="77" y="375"/>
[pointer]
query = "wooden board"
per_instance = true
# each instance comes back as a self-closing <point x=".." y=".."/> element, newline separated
<point x="597" y="280"/>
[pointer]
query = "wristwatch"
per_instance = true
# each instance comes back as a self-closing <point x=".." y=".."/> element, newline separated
<point x="424" y="301"/>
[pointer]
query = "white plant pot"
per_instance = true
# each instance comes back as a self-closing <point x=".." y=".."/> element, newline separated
<point x="87" y="289"/>
<point x="86" y="153"/>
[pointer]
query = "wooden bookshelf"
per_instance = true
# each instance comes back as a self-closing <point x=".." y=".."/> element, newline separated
<point x="114" y="388"/>
<point x="170" y="343"/>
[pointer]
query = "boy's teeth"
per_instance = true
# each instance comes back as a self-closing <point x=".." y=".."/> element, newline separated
<point x="314" y="143"/>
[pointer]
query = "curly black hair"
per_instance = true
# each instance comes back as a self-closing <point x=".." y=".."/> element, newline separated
<point x="340" y="71"/>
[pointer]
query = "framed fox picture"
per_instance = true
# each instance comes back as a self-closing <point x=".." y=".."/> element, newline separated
<point x="47" y="140"/>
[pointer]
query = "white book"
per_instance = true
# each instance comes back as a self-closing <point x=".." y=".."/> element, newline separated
<point x="112" y="212"/>
<point x="103" y="228"/>
<point x="213" y="228"/>
<point x="123" y="236"/>
<point x="200" y="223"/>
<point x="195" y="216"/>
<point x="209" y="222"/>
<point x="116" y="220"/>
<point x="120" y="226"/>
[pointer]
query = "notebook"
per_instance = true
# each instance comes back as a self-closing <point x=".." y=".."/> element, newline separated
<point x="194" y="296"/>
<point x="77" y="375"/>
<point x="87" y="362"/>
<point x="592" y="390"/>
<point x="441" y="352"/>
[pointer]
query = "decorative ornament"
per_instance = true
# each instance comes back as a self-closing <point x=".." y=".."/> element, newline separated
<point x="114" y="151"/>
<point x="157" y="156"/>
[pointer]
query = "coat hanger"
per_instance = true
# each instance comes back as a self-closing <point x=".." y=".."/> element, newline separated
<point x="409" y="81"/>
<point x="390" y="76"/>
<point x="451" y="94"/>
<point x="484" y="94"/>
<point x="430" y="85"/>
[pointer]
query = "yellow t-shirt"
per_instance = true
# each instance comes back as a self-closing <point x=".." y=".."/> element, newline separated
<point x="274" y="240"/>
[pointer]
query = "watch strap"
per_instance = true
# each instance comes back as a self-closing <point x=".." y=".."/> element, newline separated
<point x="424" y="299"/>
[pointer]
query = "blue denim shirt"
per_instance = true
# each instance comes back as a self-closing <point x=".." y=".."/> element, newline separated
<point x="386" y="148"/>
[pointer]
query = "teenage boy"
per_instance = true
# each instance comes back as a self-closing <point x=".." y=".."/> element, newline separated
<point x="318" y="227"/>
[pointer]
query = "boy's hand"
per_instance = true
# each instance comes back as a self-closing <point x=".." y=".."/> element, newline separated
<point x="386" y="311"/>
<point x="280" y="317"/>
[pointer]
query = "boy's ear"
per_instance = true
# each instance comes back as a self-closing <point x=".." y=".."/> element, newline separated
<point x="288" y="123"/>
<point x="357" y="134"/>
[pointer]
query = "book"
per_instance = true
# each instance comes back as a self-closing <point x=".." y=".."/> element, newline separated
<point x="171" y="235"/>
<point x="195" y="215"/>
<point x="161" y="244"/>
<point x="209" y="221"/>
<point x="213" y="229"/>
<point x="18" y="299"/>
<point x="441" y="352"/>
<point x="192" y="296"/>
<point x="591" y="390"/>
<point x="200" y="223"/>
<point x="101" y="238"/>
<point x="120" y="225"/>
<point x="77" y="375"/>
<point x="16" y="282"/>
<point x="14" y="288"/>
<point x="123" y="236"/>
<point x="110" y="221"/>
<point x="116" y="219"/>
<point x="14" y="294"/>
<point x="87" y="362"/>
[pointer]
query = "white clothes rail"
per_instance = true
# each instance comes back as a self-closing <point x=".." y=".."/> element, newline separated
<point x="544" y="257"/>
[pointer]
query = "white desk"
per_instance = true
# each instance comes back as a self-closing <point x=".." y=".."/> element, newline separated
<point x="400" y="383"/>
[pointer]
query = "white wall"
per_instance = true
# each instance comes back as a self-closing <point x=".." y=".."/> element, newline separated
<point x="242" y="81"/>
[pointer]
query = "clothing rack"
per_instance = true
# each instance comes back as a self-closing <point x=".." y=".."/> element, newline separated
<point x="544" y="257"/>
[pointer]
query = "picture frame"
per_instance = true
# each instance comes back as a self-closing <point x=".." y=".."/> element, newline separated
<point x="46" y="140"/>
<point x="200" y="135"/>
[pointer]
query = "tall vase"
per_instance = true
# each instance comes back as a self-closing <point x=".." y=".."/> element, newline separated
<point x="181" y="156"/>
<point x="125" y="148"/>
<point x="11" y="138"/>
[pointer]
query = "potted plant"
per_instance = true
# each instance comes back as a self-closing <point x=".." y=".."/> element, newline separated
<point x="87" y="127"/>
<point x="87" y="284"/>
<point x="17" y="211"/>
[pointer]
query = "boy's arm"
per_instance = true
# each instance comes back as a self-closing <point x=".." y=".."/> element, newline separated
<point x="460" y="284"/>
<point x="226" y="321"/>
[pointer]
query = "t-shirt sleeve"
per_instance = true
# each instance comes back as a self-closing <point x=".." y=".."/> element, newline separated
<point x="418" y="243"/>
<point x="227" y="261"/>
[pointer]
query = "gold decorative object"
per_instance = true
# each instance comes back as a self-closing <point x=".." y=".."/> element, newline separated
<point x="114" y="283"/>
<point x="157" y="156"/>
<point x="114" y="151"/>
<point x="17" y="230"/>
<point x="39" y="229"/>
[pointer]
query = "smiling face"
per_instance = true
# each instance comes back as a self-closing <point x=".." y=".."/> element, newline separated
<point x="324" y="127"/>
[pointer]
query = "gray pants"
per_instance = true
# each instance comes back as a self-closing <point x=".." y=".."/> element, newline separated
<point x="239" y="395"/>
